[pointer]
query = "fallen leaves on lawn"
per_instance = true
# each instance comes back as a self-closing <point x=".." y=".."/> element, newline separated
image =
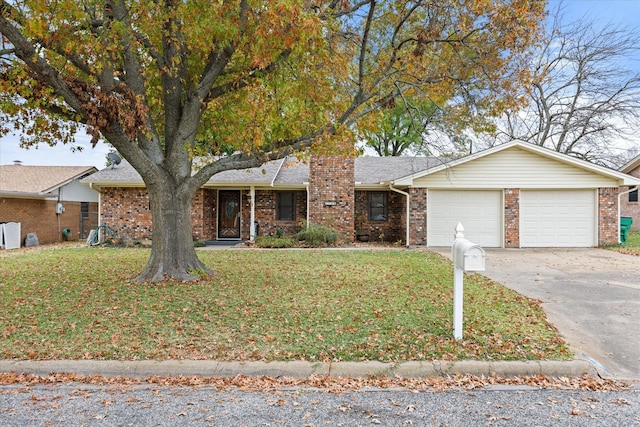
<point x="331" y="384"/>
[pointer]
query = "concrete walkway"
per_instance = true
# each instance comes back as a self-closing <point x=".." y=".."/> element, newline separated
<point x="591" y="295"/>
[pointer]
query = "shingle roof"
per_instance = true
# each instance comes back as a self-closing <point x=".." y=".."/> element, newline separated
<point x="290" y="171"/>
<point x="373" y="170"/>
<point x="39" y="179"/>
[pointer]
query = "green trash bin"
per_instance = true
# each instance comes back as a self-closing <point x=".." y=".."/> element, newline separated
<point x="66" y="233"/>
<point x="625" y="226"/>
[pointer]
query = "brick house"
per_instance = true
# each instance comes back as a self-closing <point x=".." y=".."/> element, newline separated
<point x="629" y="205"/>
<point x="512" y="195"/>
<point x="48" y="199"/>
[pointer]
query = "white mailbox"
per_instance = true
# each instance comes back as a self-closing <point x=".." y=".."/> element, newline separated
<point x="467" y="256"/>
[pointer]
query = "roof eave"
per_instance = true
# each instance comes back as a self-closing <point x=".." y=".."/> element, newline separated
<point x="634" y="163"/>
<point x="26" y="195"/>
<point x="622" y="178"/>
<point x="67" y="181"/>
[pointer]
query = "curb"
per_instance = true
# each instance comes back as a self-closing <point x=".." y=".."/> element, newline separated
<point x="298" y="369"/>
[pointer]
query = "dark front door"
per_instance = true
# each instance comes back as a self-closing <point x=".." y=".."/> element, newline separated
<point x="229" y="214"/>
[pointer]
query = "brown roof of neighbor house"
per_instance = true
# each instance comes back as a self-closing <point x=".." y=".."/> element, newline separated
<point x="39" y="179"/>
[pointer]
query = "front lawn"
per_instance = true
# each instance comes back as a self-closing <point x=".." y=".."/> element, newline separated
<point x="631" y="247"/>
<point x="316" y="305"/>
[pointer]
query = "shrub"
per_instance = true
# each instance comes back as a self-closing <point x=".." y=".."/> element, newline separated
<point x="274" y="242"/>
<point x="317" y="235"/>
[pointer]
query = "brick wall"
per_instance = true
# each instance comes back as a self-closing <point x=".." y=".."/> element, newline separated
<point x="332" y="193"/>
<point x="511" y="217"/>
<point x="39" y="216"/>
<point x="391" y="230"/>
<point x="265" y="213"/>
<point x="209" y="217"/>
<point x="608" y="224"/>
<point x="418" y="216"/>
<point x="126" y="210"/>
<point x="628" y="208"/>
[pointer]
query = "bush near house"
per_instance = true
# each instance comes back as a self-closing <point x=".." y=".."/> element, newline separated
<point x="316" y="305"/>
<point x="316" y="235"/>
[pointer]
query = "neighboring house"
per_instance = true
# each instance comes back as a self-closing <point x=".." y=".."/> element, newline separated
<point x="629" y="205"/>
<point x="513" y="195"/>
<point x="48" y="199"/>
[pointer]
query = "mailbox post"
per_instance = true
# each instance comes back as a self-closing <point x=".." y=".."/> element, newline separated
<point x="466" y="256"/>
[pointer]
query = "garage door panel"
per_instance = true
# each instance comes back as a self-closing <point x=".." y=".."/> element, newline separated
<point x="480" y="212"/>
<point x="557" y="218"/>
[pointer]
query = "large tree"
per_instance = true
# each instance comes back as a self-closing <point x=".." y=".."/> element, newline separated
<point x="584" y="94"/>
<point x="242" y="82"/>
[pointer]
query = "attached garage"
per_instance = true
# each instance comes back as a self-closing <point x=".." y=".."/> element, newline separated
<point x="518" y="195"/>
<point x="480" y="212"/>
<point x="558" y="218"/>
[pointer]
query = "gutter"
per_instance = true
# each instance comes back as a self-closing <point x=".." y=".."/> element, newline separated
<point x="94" y="189"/>
<point x="619" y="198"/>
<point x="407" y="226"/>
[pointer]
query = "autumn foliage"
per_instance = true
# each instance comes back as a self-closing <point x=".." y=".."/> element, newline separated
<point x="241" y="82"/>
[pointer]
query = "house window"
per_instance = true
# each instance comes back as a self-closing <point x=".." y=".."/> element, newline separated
<point x="285" y="210"/>
<point x="377" y="206"/>
<point x="633" y="196"/>
<point x="84" y="209"/>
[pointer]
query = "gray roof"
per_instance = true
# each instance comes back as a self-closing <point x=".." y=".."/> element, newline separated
<point x="373" y="170"/>
<point x="289" y="171"/>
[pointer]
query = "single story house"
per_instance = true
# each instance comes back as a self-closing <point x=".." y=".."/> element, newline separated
<point x="629" y="205"/>
<point x="513" y="195"/>
<point x="47" y="200"/>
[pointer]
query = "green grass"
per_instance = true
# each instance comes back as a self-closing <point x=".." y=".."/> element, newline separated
<point x="631" y="247"/>
<point x="315" y="305"/>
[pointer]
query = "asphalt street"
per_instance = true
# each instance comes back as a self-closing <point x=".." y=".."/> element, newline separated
<point x="73" y="405"/>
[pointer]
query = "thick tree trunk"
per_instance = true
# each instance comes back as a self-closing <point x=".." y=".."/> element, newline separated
<point x="173" y="255"/>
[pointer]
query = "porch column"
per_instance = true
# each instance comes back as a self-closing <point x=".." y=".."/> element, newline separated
<point x="252" y="218"/>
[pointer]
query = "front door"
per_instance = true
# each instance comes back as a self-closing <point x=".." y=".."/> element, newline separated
<point x="228" y="214"/>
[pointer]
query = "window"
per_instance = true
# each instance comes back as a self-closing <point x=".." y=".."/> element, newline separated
<point x="633" y="196"/>
<point x="84" y="209"/>
<point x="285" y="210"/>
<point x="377" y="206"/>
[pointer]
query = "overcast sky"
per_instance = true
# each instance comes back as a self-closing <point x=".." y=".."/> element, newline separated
<point x="625" y="12"/>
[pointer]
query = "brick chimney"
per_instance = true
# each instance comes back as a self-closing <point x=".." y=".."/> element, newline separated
<point x="332" y="193"/>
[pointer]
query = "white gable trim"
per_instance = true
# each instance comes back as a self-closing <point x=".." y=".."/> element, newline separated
<point x="623" y="179"/>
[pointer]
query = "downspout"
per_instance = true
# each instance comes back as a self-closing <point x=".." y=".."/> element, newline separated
<point x="619" y="199"/>
<point x="57" y="214"/>
<point x="408" y="211"/>
<point x="252" y="219"/>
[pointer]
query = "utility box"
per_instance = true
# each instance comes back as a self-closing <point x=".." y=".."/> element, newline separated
<point x="10" y="235"/>
<point x="467" y="256"/>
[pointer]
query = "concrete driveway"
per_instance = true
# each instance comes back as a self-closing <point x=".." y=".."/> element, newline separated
<point x="591" y="295"/>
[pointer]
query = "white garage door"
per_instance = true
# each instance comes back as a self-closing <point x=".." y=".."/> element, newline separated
<point x="480" y="213"/>
<point x="557" y="218"/>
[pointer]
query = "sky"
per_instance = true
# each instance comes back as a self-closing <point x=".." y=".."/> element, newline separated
<point x="623" y="12"/>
